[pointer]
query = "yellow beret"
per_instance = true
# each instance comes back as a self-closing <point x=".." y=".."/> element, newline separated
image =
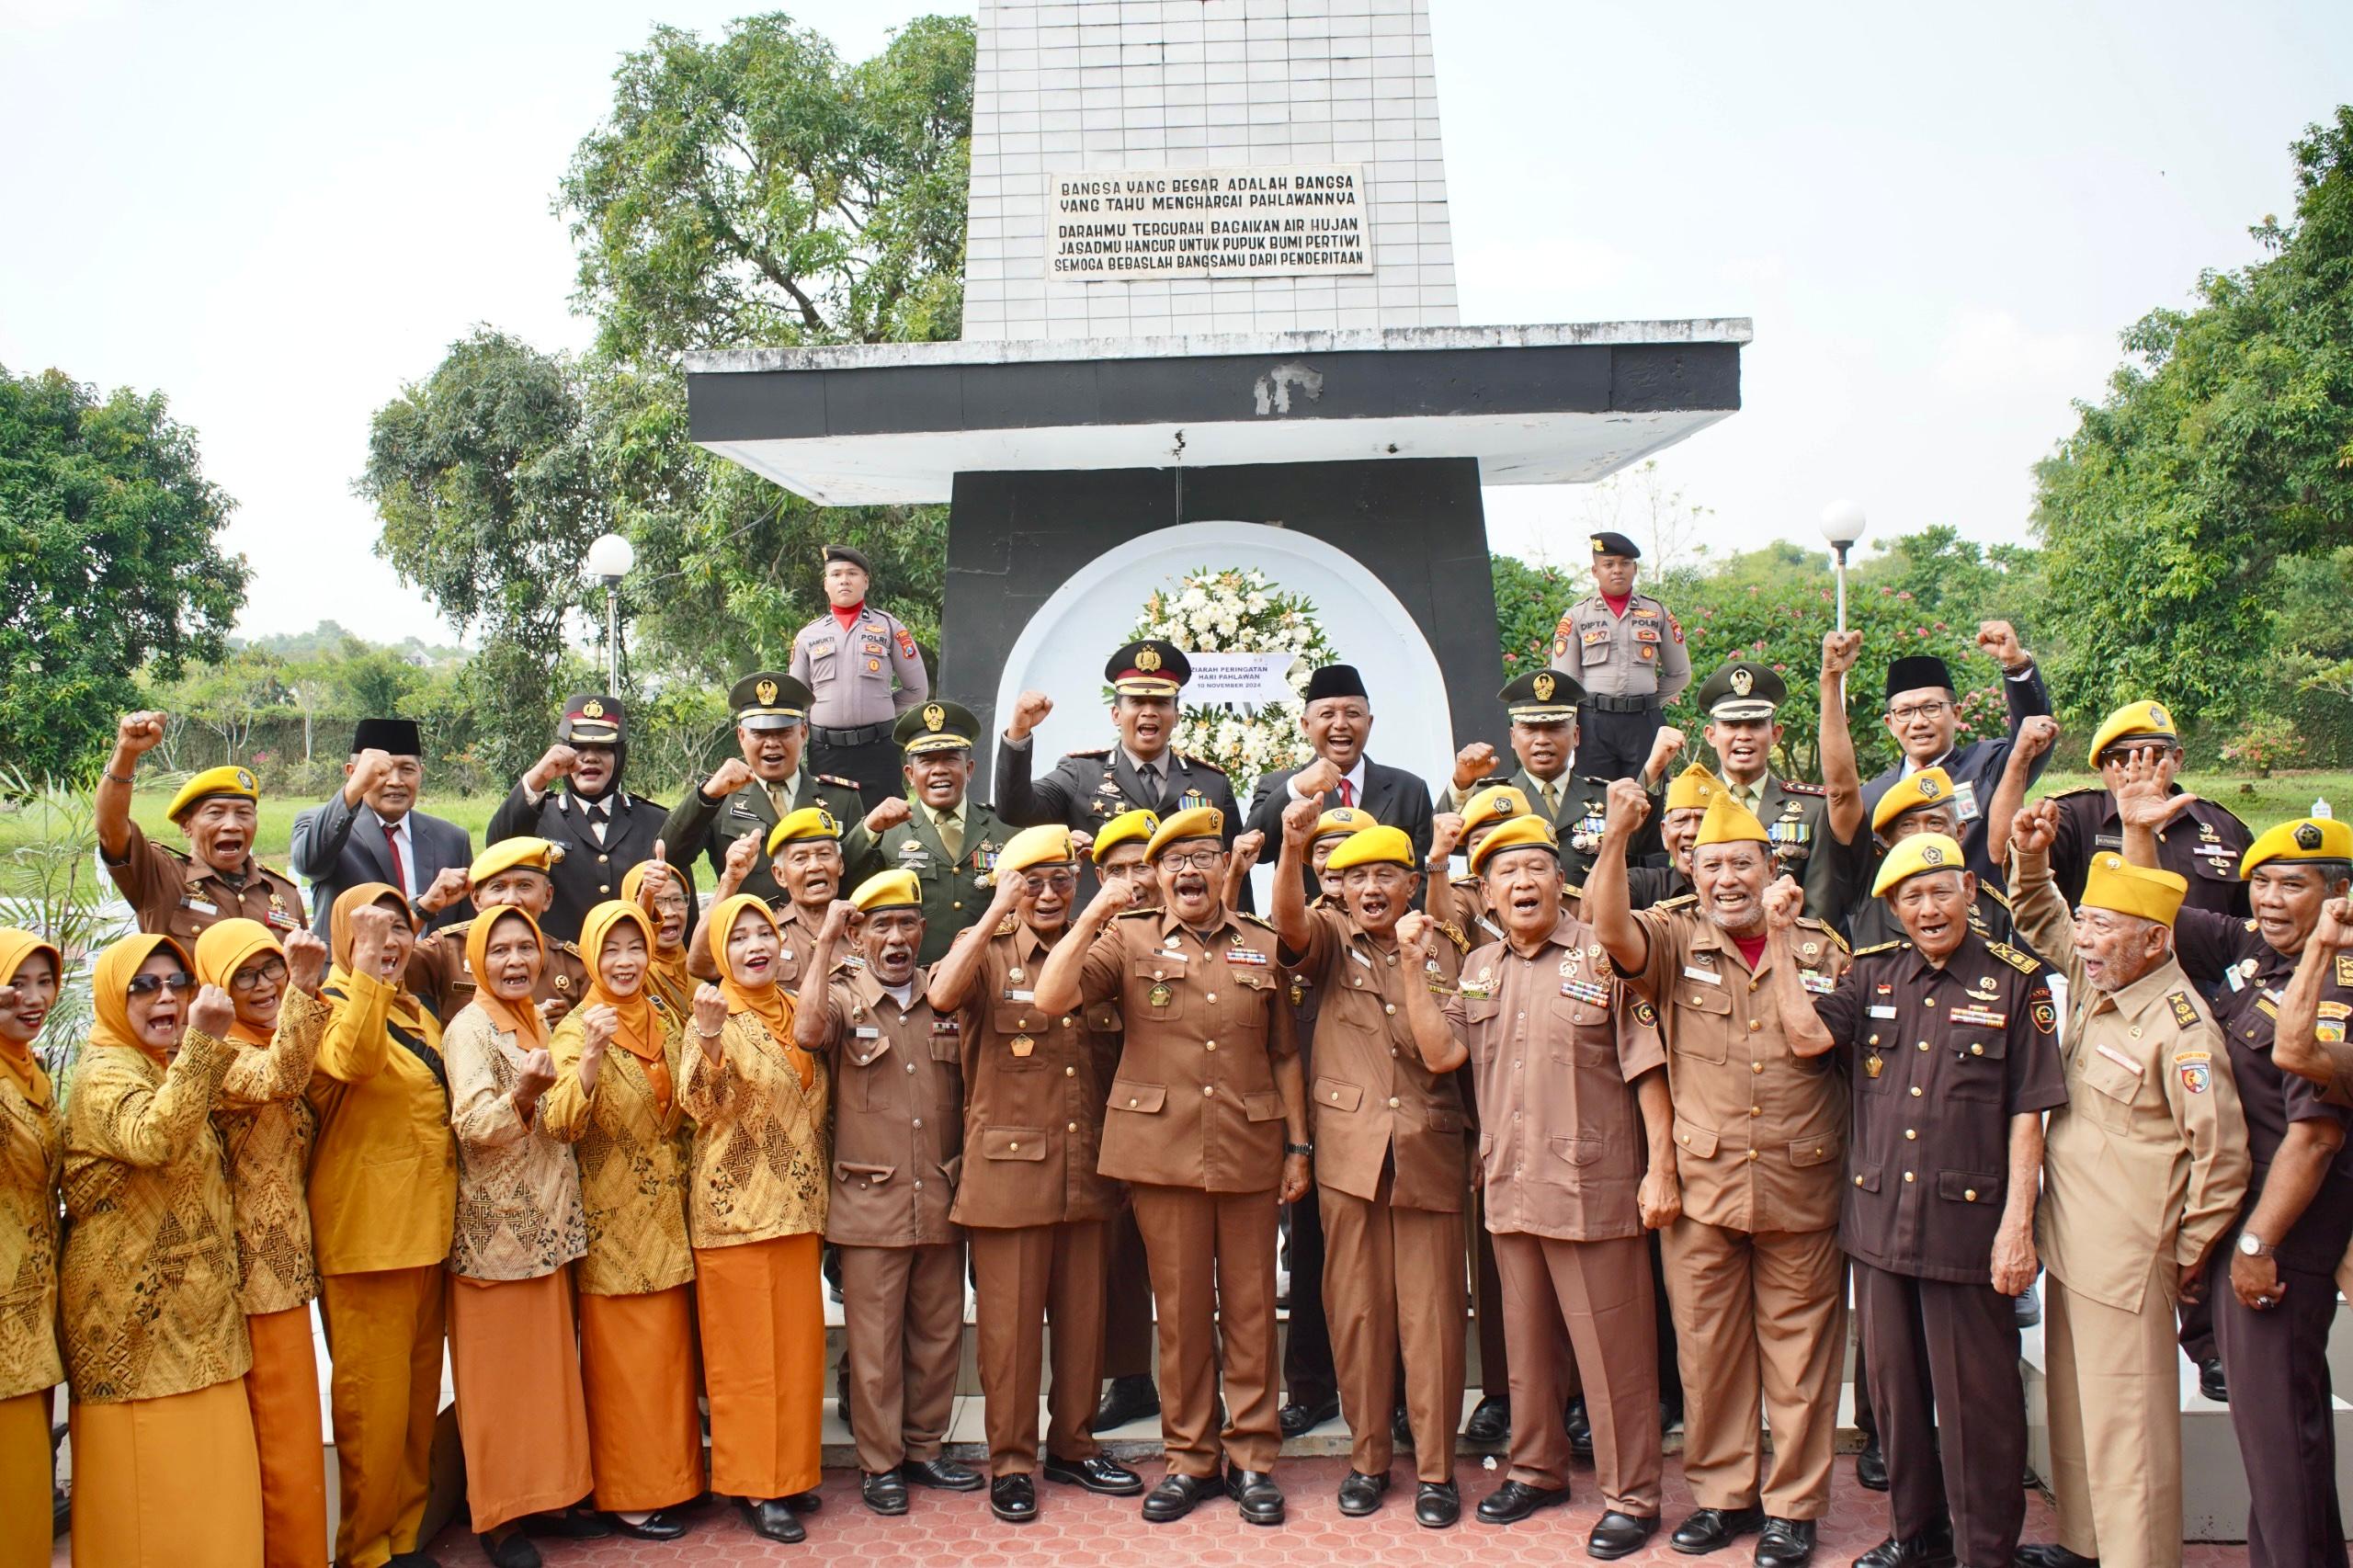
<point x="1378" y="845"/>
<point x="889" y="890"/>
<point x="1201" y="822"/>
<point x="1128" y="827"/>
<point x="513" y="853"/>
<point x="1045" y="844"/>
<point x="1341" y="820"/>
<point x="1520" y="833"/>
<point x="1728" y="822"/>
<point x="1921" y="852"/>
<point x="809" y="821"/>
<point x="1496" y="802"/>
<point x="2134" y="719"/>
<point x="212" y="781"/>
<point x="1694" y="787"/>
<point x="1929" y="787"/>
<point x="2304" y="838"/>
<point x="2114" y="883"/>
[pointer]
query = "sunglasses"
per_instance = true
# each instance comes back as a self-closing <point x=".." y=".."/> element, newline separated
<point x="180" y="984"/>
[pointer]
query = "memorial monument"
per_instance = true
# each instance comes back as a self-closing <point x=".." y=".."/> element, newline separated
<point x="1212" y="375"/>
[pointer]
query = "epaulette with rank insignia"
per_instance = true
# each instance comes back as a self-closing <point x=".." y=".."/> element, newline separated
<point x="2015" y="959"/>
<point x="1571" y="888"/>
<point x="1258" y="920"/>
<point x="836" y="780"/>
<point x="1454" y="934"/>
<point x="1881" y="948"/>
<point x="1997" y="895"/>
<point x="1677" y="901"/>
<point x="1202" y="762"/>
<point x="1465" y="880"/>
<point x="1137" y="914"/>
<point x="2076" y="790"/>
<point x="1794" y="787"/>
<point x="560" y="944"/>
<point x="175" y="852"/>
<point x="1095" y="756"/>
<point x="1007" y="927"/>
<point x="2254" y="925"/>
<point x="1810" y="924"/>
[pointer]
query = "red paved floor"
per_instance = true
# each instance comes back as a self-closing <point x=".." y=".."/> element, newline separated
<point x="1077" y="1530"/>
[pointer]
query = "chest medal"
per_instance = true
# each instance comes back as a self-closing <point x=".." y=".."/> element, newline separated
<point x="1160" y="996"/>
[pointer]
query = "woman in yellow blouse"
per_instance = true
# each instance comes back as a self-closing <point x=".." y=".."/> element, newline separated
<point x="266" y="1128"/>
<point x="512" y="1347"/>
<point x="165" y="1468"/>
<point x="756" y="1209"/>
<point x="32" y="1153"/>
<point x="616" y="1101"/>
<point x="384" y="1188"/>
<point x="658" y="890"/>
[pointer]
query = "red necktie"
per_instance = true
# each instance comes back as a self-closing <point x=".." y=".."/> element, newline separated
<point x="400" y="872"/>
<point x="1347" y="793"/>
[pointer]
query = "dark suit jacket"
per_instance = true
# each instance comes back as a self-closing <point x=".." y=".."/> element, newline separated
<point x="334" y="857"/>
<point x="1392" y="796"/>
<point x="1977" y="770"/>
<point x="589" y="872"/>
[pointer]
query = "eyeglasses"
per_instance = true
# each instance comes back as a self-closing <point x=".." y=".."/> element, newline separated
<point x="1061" y="881"/>
<point x="1194" y="860"/>
<point x="271" y="973"/>
<point x="1126" y="870"/>
<point x="181" y="984"/>
<point x="1933" y="710"/>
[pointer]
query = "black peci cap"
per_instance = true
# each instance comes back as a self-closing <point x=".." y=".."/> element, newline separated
<point x="397" y="737"/>
<point x="1335" y="680"/>
<point x="1916" y="671"/>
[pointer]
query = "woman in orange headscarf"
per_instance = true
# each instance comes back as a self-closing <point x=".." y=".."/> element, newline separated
<point x="756" y="1209"/>
<point x="658" y="887"/>
<point x="164" y="1467"/>
<point x="512" y="1347"/>
<point x="384" y="1188"/>
<point x="616" y="1101"/>
<point x="266" y="1128"/>
<point x="32" y="1154"/>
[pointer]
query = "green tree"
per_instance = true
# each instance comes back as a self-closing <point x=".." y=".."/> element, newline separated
<point x="489" y="496"/>
<point x="2224" y="450"/>
<point x="108" y="561"/>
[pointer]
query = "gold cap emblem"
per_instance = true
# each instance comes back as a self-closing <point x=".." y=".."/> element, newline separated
<point x="1743" y="682"/>
<point x="1930" y="789"/>
<point x="766" y="692"/>
<point x="244" y="779"/>
<point x="1931" y="855"/>
<point x="592" y="709"/>
<point x="935" y="717"/>
<point x="1147" y="659"/>
<point x="1501" y="805"/>
<point x="825" y="821"/>
<point x="1545" y="686"/>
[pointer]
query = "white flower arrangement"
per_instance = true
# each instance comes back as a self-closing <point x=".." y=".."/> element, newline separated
<point x="1240" y="610"/>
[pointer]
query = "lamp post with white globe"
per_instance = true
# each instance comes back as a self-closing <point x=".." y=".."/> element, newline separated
<point x="1842" y="524"/>
<point x="609" y="558"/>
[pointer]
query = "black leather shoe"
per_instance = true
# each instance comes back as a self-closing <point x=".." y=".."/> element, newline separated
<point x="1871" y="1467"/>
<point x="2027" y="1307"/>
<point x="1619" y="1535"/>
<point x="1930" y="1549"/>
<point x="1176" y="1497"/>
<point x="1515" y="1500"/>
<point x="774" y="1519"/>
<point x="1013" y="1499"/>
<point x="946" y="1475"/>
<point x="1260" y="1499"/>
<point x="1578" y="1425"/>
<point x="803" y="1502"/>
<point x="1786" y="1543"/>
<point x="1437" y="1505"/>
<point x="1712" y="1530"/>
<point x="2210" y="1382"/>
<point x="1400" y="1428"/>
<point x="1125" y="1400"/>
<point x="568" y="1524"/>
<point x="2051" y="1554"/>
<point x="400" y="1559"/>
<point x="512" y="1549"/>
<point x="885" y="1492"/>
<point x="841" y="1390"/>
<point x="1361" y="1493"/>
<point x="1297" y="1420"/>
<point x="659" y="1525"/>
<point x="1490" y="1421"/>
<point x="1097" y="1474"/>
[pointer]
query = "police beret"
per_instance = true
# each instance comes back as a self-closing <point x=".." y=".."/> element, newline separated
<point x="1921" y="852"/>
<point x="1149" y="668"/>
<point x="2301" y="838"/>
<point x="1378" y="845"/>
<point x="210" y="784"/>
<point x="1929" y="787"/>
<point x="1916" y="672"/>
<point x="894" y="889"/>
<point x="768" y="700"/>
<point x="591" y="719"/>
<point x="1728" y="822"/>
<point x="1335" y="680"/>
<point x="1615" y="544"/>
<point x="843" y="552"/>
<point x="397" y="737"/>
<point x="1542" y="697"/>
<point x="1199" y="822"/>
<point x="1520" y="833"/>
<point x="809" y="821"/>
<point x="2114" y="883"/>
<point x="1692" y="788"/>
<point x="1742" y="690"/>
<point x="2134" y="721"/>
<point x="515" y="855"/>
<point x="936" y="726"/>
<point x="1128" y="827"/>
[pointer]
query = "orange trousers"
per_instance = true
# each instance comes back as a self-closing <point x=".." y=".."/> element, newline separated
<point x="283" y="1392"/>
<point x="26" y="1476"/>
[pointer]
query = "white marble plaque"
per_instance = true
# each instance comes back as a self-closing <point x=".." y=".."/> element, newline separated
<point x="1269" y="221"/>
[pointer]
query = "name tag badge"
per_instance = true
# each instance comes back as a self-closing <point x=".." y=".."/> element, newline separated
<point x="1964" y="800"/>
<point x="866" y="1031"/>
<point x="1359" y="956"/>
<point x="200" y="906"/>
<point x="1878" y="1010"/>
<point x="1021" y="996"/>
<point x="1691" y="971"/>
<point x="2120" y="1059"/>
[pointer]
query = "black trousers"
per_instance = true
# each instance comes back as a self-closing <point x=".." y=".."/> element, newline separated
<point x="1308" y="1376"/>
<point x="1938" y="1349"/>
<point x="876" y="767"/>
<point x="1615" y="746"/>
<point x="2277" y="1362"/>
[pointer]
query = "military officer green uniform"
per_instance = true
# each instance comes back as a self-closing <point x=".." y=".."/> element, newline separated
<point x="1543" y="706"/>
<point x="747" y="795"/>
<point x="1741" y="702"/>
<point x="1626" y="650"/>
<point x="951" y="841"/>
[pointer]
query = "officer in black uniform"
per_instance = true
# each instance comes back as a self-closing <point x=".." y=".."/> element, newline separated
<point x="603" y="828"/>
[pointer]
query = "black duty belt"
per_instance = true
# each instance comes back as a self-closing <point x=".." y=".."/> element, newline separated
<point x="1601" y="704"/>
<point x="864" y="735"/>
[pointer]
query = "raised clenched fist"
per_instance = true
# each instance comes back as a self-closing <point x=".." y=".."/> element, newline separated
<point x="1321" y="777"/>
<point x="1999" y="640"/>
<point x="213" y="1012"/>
<point x="889" y="815"/>
<point x="371" y="941"/>
<point x="1446" y="832"/>
<point x="1839" y="651"/>
<point x="1030" y="710"/>
<point x="450" y="885"/>
<point x="533" y="1076"/>
<point x="1627" y="808"/>
<point x="1473" y="763"/>
<point x="1299" y="820"/>
<point x="1784" y="902"/>
<point x="727" y="777"/>
<point x="141" y="732"/>
<point x="838" y="914"/>
<point x="2035" y="828"/>
<point x="710" y="1014"/>
<point x="2037" y="736"/>
<point x="306" y="960"/>
<point x="557" y="762"/>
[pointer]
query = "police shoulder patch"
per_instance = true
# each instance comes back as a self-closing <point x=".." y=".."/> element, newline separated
<point x="1202" y="762"/>
<point x="2024" y="963"/>
<point x="1646" y="1015"/>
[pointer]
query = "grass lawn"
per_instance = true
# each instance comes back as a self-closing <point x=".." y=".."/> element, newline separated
<point x="277" y="825"/>
<point x="2259" y="802"/>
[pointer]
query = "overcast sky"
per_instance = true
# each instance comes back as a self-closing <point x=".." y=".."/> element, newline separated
<point x="1939" y="218"/>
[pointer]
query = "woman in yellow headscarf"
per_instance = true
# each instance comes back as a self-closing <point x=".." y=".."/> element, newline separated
<point x="756" y="1209"/>
<point x="164" y="1467"/>
<point x="616" y="1101"/>
<point x="32" y="1154"/>
<point x="384" y="1188"/>
<point x="661" y="891"/>
<point x="266" y="1128"/>
<point x="513" y="1353"/>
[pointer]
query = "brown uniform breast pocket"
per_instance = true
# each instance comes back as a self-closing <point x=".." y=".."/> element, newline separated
<point x="1446" y="1118"/>
<point x="1823" y="1151"/>
<point x="863" y="1176"/>
<point x="1013" y="1143"/>
<point x="866" y="1069"/>
<point x="2114" y="1088"/>
<point x="1331" y="1094"/>
<point x="1012" y="1023"/>
<point x="1976" y="1072"/>
<point x="1156" y="990"/>
<point x="1974" y="1188"/>
<point x="1576" y="1032"/>
<point x="1703" y="1032"/>
<point x="1694" y="1140"/>
<point x="1264" y="1105"/>
<point x="1578" y="1152"/>
<point x="1137" y="1099"/>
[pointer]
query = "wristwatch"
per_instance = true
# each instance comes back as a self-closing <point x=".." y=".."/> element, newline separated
<point x="1306" y="1148"/>
<point x="2253" y="1246"/>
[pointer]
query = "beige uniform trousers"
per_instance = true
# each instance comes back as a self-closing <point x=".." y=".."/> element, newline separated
<point x="1760" y="1322"/>
<point x="1393" y="1284"/>
<point x="2115" y="1404"/>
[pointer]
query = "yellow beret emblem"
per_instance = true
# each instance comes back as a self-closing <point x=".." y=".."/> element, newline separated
<point x="592" y="709"/>
<point x="1147" y="659"/>
<point x="2158" y="717"/>
<point x="1929" y="789"/>
<point x="766" y="692"/>
<point x="1545" y="686"/>
<point x="935" y="717"/>
<point x="825" y="821"/>
<point x="1500" y="805"/>
<point x="2307" y="837"/>
<point x="244" y="779"/>
<point x="1743" y="682"/>
<point x="1932" y="855"/>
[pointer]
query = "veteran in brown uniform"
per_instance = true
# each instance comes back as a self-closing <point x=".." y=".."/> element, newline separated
<point x="1032" y="1203"/>
<point x="514" y="871"/>
<point x="1208" y="1125"/>
<point x="1753" y="1266"/>
<point x="1953" y="1065"/>
<point x="2201" y="842"/>
<point x="2144" y="1171"/>
<point x="1390" y="1164"/>
<point x="898" y="1149"/>
<point x="1573" y="1175"/>
<point x="176" y="893"/>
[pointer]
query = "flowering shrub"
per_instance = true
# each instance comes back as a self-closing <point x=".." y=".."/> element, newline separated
<point x="2263" y="746"/>
<point x="1240" y="610"/>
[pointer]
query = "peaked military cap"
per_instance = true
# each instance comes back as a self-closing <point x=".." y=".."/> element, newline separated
<point x="1542" y="697"/>
<point x="591" y="719"/>
<point x="938" y="725"/>
<point x="769" y="700"/>
<point x="1742" y="690"/>
<point x="1149" y="668"/>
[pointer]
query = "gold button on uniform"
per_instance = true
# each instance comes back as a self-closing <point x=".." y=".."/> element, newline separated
<point x="1907" y="1175"/>
<point x="1916" y="1091"/>
<point x="1976" y="1050"/>
<point x="1909" y="1135"/>
<point x="1757" y="1110"/>
<point x="1393" y="1102"/>
<point x="1073" y="1128"/>
<point x="1756" y="1067"/>
<point x="1970" y="1194"/>
<point x="1209" y="1089"/>
<point x="1014" y="1147"/>
<point x="1070" y="1071"/>
<point x="1752" y="1154"/>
